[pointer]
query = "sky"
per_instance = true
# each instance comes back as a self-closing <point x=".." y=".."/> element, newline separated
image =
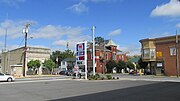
<point x="54" y="23"/>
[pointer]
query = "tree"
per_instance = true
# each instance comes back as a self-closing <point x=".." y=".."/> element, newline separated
<point x="61" y="56"/>
<point x="99" y="40"/>
<point x="34" y="64"/>
<point x="31" y="64"/>
<point x="142" y="64"/>
<point x="130" y="65"/>
<point x="110" y="65"/>
<point x="37" y="63"/>
<point x="121" y="65"/>
<point x="49" y="64"/>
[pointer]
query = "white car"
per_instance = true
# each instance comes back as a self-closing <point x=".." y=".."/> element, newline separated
<point x="4" y="77"/>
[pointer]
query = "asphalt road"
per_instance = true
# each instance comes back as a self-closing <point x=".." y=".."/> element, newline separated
<point x="74" y="90"/>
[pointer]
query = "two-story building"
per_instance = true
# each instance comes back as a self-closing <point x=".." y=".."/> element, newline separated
<point x="12" y="61"/>
<point x="160" y="53"/>
<point x="103" y="53"/>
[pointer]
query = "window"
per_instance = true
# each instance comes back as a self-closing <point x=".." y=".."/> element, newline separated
<point x="114" y="56"/>
<point x="172" y="51"/>
<point x="152" y="52"/>
<point x="1" y="74"/>
<point x="122" y="57"/>
<point x="146" y="53"/>
<point x="63" y="62"/>
<point x="106" y="56"/>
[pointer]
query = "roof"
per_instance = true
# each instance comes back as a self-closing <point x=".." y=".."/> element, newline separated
<point x="136" y="59"/>
<point x="159" y="38"/>
<point x="110" y="43"/>
<point x="69" y="59"/>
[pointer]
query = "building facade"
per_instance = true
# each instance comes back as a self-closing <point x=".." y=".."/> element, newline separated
<point x="103" y="53"/>
<point x="160" y="53"/>
<point x="11" y="62"/>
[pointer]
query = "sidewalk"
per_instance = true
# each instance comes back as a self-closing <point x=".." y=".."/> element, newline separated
<point x="42" y="77"/>
<point x="147" y="78"/>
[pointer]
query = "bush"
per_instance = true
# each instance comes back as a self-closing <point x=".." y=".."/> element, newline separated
<point x="109" y="77"/>
<point x="94" y="77"/>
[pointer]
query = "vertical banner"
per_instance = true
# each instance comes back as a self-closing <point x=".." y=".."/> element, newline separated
<point x="81" y="55"/>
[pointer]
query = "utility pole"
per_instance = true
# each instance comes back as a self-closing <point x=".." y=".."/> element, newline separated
<point x="25" y="31"/>
<point x="93" y="30"/>
<point x="177" y="55"/>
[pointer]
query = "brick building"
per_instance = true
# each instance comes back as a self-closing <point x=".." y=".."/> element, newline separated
<point x="103" y="53"/>
<point x="160" y="53"/>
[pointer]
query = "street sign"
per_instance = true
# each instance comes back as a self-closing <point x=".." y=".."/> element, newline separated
<point x="81" y="55"/>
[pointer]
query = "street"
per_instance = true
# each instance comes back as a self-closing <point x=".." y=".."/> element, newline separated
<point x="82" y="90"/>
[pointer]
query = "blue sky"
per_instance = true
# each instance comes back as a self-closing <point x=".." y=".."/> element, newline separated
<point x="56" y="22"/>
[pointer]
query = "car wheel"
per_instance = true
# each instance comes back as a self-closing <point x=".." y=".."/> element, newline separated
<point x="9" y="79"/>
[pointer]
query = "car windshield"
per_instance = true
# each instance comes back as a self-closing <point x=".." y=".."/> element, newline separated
<point x="1" y="74"/>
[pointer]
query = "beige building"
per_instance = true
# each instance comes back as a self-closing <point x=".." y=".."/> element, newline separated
<point x="12" y="61"/>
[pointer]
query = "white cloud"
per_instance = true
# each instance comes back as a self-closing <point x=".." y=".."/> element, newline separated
<point x="178" y="25"/>
<point x="58" y="35"/>
<point x="72" y="41"/>
<point x="115" y="32"/>
<point x="131" y="49"/>
<point x="12" y="2"/>
<point x="171" y="9"/>
<point x="51" y="31"/>
<point x="79" y="8"/>
<point x="14" y="28"/>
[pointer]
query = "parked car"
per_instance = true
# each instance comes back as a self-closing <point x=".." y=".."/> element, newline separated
<point x="62" y="73"/>
<point x="69" y="73"/>
<point x="5" y="77"/>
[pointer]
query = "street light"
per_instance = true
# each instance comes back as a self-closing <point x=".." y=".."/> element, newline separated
<point x="93" y="30"/>
<point x="177" y="56"/>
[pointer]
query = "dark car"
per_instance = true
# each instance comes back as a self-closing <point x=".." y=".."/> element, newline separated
<point x="62" y="73"/>
<point x="69" y="73"/>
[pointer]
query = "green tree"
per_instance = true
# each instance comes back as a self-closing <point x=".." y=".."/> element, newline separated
<point x="142" y="64"/>
<point x="99" y="40"/>
<point x="31" y="64"/>
<point x="61" y="56"/>
<point x="37" y="63"/>
<point x="121" y="65"/>
<point x="130" y="65"/>
<point x="49" y="64"/>
<point x="34" y="64"/>
<point x="110" y="65"/>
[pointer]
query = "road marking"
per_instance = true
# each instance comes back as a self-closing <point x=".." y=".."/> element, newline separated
<point x="19" y="82"/>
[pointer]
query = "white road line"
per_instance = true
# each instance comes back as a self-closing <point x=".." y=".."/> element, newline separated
<point x="18" y="82"/>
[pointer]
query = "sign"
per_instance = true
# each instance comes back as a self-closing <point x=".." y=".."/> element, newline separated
<point x="159" y="64"/>
<point x="81" y="54"/>
<point x="172" y="51"/>
<point x="158" y="54"/>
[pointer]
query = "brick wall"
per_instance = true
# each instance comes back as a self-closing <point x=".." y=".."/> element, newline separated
<point x="169" y="61"/>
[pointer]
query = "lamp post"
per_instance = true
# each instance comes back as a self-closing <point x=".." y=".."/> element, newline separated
<point x="25" y="31"/>
<point x="93" y="29"/>
<point x="177" y="56"/>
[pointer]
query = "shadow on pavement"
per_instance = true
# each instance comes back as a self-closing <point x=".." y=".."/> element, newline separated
<point x="166" y="91"/>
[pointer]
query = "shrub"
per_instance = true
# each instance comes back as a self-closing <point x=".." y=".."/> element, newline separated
<point x="109" y="77"/>
<point x="94" y="77"/>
